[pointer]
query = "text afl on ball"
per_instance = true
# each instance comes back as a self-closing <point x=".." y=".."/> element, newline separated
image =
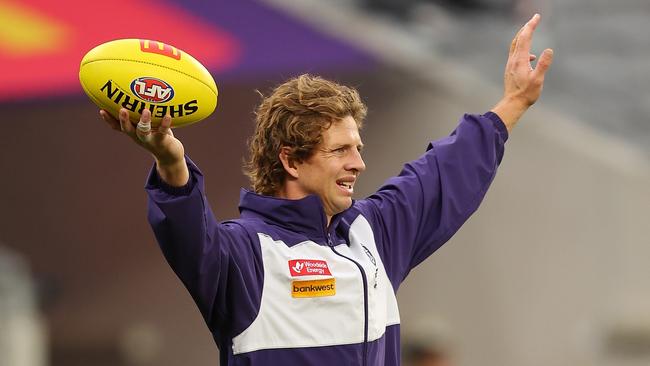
<point x="139" y="74"/>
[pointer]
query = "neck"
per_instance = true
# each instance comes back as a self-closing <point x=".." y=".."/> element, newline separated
<point x="290" y="191"/>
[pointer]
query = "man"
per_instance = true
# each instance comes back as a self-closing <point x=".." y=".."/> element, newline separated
<point x="307" y="276"/>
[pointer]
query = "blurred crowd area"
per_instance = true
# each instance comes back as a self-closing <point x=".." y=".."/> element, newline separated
<point x="407" y="10"/>
<point x="601" y="47"/>
<point x="563" y="282"/>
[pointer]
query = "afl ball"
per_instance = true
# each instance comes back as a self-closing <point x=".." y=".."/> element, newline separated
<point x="136" y="74"/>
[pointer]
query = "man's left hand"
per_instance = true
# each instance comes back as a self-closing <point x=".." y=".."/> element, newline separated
<point x="522" y="83"/>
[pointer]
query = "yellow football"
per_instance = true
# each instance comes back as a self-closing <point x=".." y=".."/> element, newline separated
<point x="136" y="74"/>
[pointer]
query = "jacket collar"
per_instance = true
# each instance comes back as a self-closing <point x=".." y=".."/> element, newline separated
<point x="304" y="216"/>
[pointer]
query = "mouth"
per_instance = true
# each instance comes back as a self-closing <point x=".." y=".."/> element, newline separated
<point x="346" y="185"/>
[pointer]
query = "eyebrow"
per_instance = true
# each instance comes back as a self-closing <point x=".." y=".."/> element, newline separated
<point x="338" y="146"/>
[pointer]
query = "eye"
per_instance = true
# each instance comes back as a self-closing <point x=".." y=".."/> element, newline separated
<point x="339" y="150"/>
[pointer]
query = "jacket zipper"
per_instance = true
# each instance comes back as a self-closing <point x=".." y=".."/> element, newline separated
<point x="365" y="299"/>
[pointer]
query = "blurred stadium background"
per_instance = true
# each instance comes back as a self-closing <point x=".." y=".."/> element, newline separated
<point x="554" y="269"/>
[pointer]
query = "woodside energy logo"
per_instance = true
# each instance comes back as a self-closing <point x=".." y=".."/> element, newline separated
<point x="308" y="267"/>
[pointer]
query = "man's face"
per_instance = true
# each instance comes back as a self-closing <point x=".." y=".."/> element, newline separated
<point x="332" y="170"/>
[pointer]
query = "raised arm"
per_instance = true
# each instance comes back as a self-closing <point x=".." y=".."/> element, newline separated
<point x="217" y="262"/>
<point x="416" y="212"/>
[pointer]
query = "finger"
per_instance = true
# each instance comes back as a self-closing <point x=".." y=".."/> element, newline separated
<point x="165" y="125"/>
<point x="545" y="61"/>
<point x="526" y="37"/>
<point x="143" y="130"/>
<point x="532" y="57"/>
<point x="125" y="123"/>
<point x="112" y="122"/>
<point x="513" y="44"/>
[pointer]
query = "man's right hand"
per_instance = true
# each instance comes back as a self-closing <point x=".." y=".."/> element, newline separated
<point x="167" y="150"/>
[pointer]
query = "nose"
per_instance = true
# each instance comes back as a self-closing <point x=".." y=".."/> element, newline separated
<point x="355" y="162"/>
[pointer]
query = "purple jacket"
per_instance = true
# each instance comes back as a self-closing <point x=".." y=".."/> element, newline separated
<point x="278" y="287"/>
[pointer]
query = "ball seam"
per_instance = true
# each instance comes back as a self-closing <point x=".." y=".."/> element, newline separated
<point x="151" y="63"/>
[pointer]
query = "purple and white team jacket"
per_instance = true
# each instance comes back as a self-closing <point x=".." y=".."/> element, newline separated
<point x="279" y="287"/>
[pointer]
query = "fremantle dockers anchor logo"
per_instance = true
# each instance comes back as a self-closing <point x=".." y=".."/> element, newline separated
<point x="152" y="90"/>
<point x="374" y="263"/>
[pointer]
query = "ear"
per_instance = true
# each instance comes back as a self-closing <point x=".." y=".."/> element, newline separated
<point x="287" y="162"/>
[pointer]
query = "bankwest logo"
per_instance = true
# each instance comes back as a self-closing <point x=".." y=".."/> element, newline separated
<point x="308" y="267"/>
<point x="317" y="288"/>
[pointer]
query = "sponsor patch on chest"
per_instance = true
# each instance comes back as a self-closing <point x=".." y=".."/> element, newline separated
<point x="308" y="267"/>
<point x="316" y="288"/>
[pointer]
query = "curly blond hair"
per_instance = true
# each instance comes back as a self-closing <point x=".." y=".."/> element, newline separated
<point x="294" y="115"/>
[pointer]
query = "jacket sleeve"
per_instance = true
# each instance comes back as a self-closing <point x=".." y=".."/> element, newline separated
<point x="416" y="212"/>
<point x="219" y="263"/>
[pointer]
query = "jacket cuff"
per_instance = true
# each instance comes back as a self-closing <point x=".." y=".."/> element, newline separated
<point x="498" y="124"/>
<point x="155" y="182"/>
